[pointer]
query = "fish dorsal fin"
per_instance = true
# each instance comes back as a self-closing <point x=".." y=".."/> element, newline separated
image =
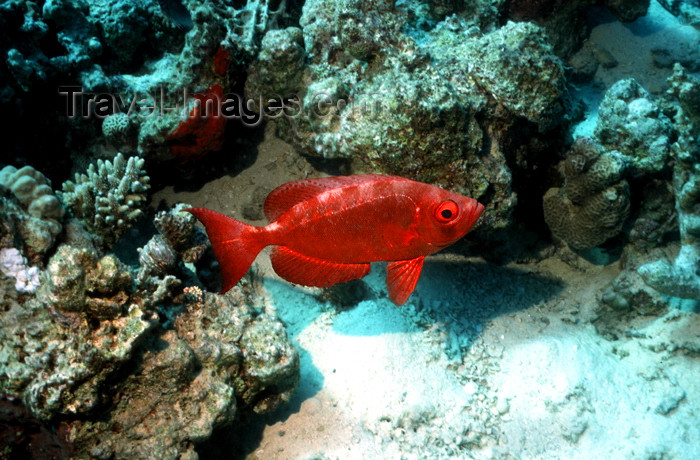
<point x="309" y="271"/>
<point x="401" y="278"/>
<point x="290" y="194"/>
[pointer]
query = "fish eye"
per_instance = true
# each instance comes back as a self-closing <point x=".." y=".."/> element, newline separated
<point x="446" y="211"/>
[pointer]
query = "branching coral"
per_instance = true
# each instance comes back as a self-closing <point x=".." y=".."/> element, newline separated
<point x="682" y="279"/>
<point x="109" y="196"/>
<point x="594" y="201"/>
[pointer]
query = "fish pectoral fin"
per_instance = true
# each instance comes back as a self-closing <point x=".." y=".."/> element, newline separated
<point x="401" y="278"/>
<point x="309" y="271"/>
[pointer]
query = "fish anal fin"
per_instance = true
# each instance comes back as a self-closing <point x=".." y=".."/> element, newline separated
<point x="401" y="278"/>
<point x="290" y="194"/>
<point x="308" y="271"/>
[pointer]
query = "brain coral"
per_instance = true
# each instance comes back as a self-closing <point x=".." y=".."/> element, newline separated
<point x="594" y="201"/>
<point x="115" y="125"/>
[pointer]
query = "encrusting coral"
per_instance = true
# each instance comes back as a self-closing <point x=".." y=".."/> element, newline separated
<point x="108" y="197"/>
<point x="223" y="356"/>
<point x="682" y="278"/>
<point x="278" y="70"/>
<point x="52" y="352"/>
<point x="594" y="201"/>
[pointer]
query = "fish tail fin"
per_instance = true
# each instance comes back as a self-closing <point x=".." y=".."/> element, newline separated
<point x="235" y="244"/>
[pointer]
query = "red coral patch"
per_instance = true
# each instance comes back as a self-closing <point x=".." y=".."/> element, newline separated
<point x="221" y="60"/>
<point x="203" y="131"/>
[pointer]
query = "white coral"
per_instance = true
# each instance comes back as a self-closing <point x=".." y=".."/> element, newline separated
<point x="13" y="264"/>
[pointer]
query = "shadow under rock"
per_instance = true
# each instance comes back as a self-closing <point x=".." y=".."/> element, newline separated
<point x="297" y="309"/>
<point x="239" y="152"/>
<point x="240" y="440"/>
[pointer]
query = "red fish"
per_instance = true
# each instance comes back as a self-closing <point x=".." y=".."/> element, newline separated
<point x="327" y="231"/>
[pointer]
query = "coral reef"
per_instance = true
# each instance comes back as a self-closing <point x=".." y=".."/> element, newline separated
<point x="629" y="121"/>
<point x="278" y="69"/>
<point x="139" y="56"/>
<point x="178" y="241"/>
<point x="108" y="197"/>
<point x="223" y="357"/>
<point x="515" y="65"/>
<point x="594" y="201"/>
<point x="39" y="217"/>
<point x="33" y="191"/>
<point x="167" y="361"/>
<point x="682" y="278"/>
<point x="53" y="354"/>
<point x="655" y="221"/>
<point x="565" y="22"/>
<point x="444" y="109"/>
<point x="223" y="35"/>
